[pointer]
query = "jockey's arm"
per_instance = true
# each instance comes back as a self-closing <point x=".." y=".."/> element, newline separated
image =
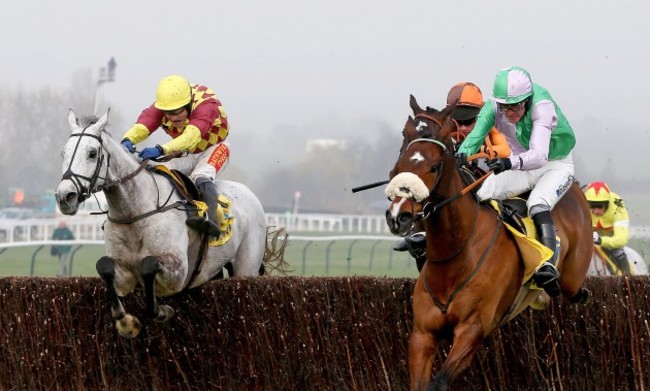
<point x="544" y="122"/>
<point x="148" y="121"/>
<point x="621" y="236"/>
<point x="476" y="138"/>
<point x="187" y="141"/>
<point x="136" y="133"/>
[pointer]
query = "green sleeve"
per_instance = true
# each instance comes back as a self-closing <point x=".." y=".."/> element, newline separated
<point x="476" y="138"/>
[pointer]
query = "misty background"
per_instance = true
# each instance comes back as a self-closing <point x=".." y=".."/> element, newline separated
<point x="317" y="92"/>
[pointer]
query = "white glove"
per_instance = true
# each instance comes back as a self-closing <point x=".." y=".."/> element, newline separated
<point x="597" y="238"/>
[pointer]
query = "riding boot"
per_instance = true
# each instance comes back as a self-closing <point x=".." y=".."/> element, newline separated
<point x="547" y="275"/>
<point x="209" y="195"/>
<point x="413" y="242"/>
<point x="620" y="259"/>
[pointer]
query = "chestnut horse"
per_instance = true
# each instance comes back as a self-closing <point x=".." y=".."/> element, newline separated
<point x="473" y="272"/>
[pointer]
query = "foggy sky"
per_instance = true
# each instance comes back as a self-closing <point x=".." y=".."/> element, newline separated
<point x="327" y="69"/>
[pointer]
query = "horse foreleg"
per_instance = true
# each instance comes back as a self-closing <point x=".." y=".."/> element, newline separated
<point x="467" y="339"/>
<point x="422" y="347"/>
<point x="149" y="269"/>
<point x="127" y="325"/>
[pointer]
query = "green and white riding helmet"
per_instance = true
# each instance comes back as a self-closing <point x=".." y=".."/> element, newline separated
<point x="512" y="85"/>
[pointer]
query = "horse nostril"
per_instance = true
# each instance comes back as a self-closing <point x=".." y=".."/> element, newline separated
<point x="405" y="218"/>
<point x="70" y="197"/>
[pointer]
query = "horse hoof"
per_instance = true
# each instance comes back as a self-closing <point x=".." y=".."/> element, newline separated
<point x="165" y="313"/>
<point x="129" y="326"/>
<point x="541" y="302"/>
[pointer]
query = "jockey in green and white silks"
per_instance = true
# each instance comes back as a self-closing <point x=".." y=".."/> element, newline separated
<point x="541" y="141"/>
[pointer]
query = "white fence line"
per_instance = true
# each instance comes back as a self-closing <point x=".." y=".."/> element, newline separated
<point x="90" y="227"/>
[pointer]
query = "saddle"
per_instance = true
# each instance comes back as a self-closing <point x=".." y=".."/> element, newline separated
<point x="186" y="188"/>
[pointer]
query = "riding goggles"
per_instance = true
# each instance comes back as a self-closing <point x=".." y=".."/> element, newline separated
<point x="515" y="107"/>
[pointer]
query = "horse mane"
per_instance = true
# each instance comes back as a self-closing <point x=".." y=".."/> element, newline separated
<point x="91" y="119"/>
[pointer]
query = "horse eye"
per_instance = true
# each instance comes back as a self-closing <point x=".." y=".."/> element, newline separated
<point x="92" y="154"/>
<point x="434" y="169"/>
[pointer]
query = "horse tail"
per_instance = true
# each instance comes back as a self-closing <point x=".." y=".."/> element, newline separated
<point x="276" y="244"/>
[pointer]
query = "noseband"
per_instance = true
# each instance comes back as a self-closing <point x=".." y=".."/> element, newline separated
<point x="428" y="206"/>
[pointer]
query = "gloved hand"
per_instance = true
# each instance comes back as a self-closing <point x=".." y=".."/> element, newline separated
<point x="151" y="152"/>
<point x="461" y="159"/>
<point x="499" y="165"/>
<point x="597" y="239"/>
<point x="128" y="145"/>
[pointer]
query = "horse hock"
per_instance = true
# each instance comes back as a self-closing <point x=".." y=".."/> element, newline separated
<point x="208" y="190"/>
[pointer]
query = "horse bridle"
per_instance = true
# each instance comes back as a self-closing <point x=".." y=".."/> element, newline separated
<point x="83" y="192"/>
<point x="429" y="207"/>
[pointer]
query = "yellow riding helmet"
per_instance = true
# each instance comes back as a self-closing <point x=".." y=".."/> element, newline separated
<point x="173" y="93"/>
<point x="597" y="192"/>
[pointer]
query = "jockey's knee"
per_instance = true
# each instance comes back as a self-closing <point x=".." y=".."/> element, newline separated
<point x="538" y="208"/>
<point x="201" y="179"/>
<point x="617" y="252"/>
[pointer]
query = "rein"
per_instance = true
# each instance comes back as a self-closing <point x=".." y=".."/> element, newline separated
<point x="181" y="204"/>
<point x="430" y="208"/>
<point x="123" y="179"/>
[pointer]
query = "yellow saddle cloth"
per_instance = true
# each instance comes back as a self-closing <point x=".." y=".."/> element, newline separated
<point x="224" y="219"/>
<point x="533" y="253"/>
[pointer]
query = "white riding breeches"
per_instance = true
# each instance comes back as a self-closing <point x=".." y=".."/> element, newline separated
<point x="548" y="184"/>
<point x="208" y="163"/>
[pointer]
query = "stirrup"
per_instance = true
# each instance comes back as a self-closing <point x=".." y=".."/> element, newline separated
<point x="412" y="243"/>
<point x="203" y="225"/>
<point x="400" y="245"/>
<point x="417" y="241"/>
<point x="548" y="278"/>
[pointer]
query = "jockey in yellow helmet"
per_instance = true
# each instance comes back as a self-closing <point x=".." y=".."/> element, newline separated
<point x="610" y="222"/>
<point x="193" y="116"/>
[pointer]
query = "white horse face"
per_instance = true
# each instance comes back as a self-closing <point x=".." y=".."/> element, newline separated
<point x="83" y="163"/>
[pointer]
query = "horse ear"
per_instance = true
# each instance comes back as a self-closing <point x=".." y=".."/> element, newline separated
<point x="410" y="133"/>
<point x="72" y="119"/>
<point x="103" y="120"/>
<point x="414" y="105"/>
<point x="447" y="128"/>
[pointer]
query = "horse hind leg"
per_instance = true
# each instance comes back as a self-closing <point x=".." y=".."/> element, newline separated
<point x="126" y="324"/>
<point x="221" y="275"/>
<point x="150" y="266"/>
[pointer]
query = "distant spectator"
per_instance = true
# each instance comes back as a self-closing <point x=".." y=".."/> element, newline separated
<point x="62" y="252"/>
